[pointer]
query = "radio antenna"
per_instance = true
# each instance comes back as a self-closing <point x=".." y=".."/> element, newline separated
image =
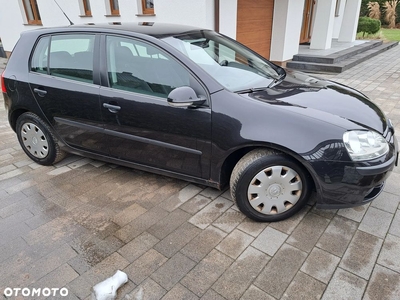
<point x="70" y="22"/>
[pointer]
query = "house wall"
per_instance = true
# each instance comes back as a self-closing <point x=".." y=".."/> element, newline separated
<point x="189" y="12"/>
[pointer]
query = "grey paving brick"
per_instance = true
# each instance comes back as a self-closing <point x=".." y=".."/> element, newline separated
<point x="129" y="214"/>
<point x="59" y="228"/>
<point x="376" y="222"/>
<point x="229" y="220"/>
<point x="254" y="293"/>
<point x="177" y="240"/>
<point x="387" y="202"/>
<point x="141" y="224"/>
<point x="57" y="278"/>
<point x="384" y="284"/>
<point x="211" y="193"/>
<point x="148" y="290"/>
<point x="211" y="212"/>
<point x="43" y="266"/>
<point x="181" y="197"/>
<point x="251" y="227"/>
<point x="306" y="235"/>
<point x="195" y="204"/>
<point x="269" y="241"/>
<point x="92" y="250"/>
<point x="138" y="246"/>
<point x="199" y="247"/>
<point x="354" y="213"/>
<point x="392" y="183"/>
<point x="320" y="264"/>
<point x="338" y="235"/>
<point x="234" y="282"/>
<point x="203" y="276"/>
<point x="326" y="213"/>
<point x="287" y="226"/>
<point x="390" y="254"/>
<point x="144" y="266"/>
<point x="12" y="248"/>
<point x="344" y="285"/>
<point x="173" y="271"/>
<point x="395" y="226"/>
<point x="168" y="224"/>
<point x="304" y="287"/>
<point x="180" y="292"/>
<point x="361" y="254"/>
<point x="235" y="243"/>
<point x="284" y="266"/>
<point x="212" y="295"/>
<point x="14" y="232"/>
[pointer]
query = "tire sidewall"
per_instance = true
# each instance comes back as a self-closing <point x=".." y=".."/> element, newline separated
<point x="31" y="118"/>
<point x="253" y="169"/>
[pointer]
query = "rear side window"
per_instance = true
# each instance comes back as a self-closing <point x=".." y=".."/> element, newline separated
<point x="67" y="56"/>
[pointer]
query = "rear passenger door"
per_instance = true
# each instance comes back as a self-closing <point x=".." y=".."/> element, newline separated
<point x="65" y="83"/>
<point x="140" y="125"/>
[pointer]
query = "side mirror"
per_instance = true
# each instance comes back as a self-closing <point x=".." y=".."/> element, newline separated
<point x="185" y="96"/>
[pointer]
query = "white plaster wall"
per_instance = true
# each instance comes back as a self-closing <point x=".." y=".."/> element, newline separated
<point x="228" y="17"/>
<point x="286" y="28"/>
<point x="338" y="20"/>
<point x="190" y="12"/>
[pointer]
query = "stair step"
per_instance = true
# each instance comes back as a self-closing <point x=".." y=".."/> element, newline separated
<point x="343" y="64"/>
<point x="338" y="56"/>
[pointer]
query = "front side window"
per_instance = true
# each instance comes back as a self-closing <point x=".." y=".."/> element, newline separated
<point x="32" y="12"/>
<point x="142" y="68"/>
<point x="230" y="63"/>
<point x="68" y="56"/>
<point x="148" y="7"/>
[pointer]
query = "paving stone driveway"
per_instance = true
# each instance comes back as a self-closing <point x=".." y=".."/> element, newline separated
<point x="74" y="224"/>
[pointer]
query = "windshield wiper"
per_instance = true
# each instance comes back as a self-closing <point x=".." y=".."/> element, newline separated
<point x="251" y="90"/>
<point x="277" y="80"/>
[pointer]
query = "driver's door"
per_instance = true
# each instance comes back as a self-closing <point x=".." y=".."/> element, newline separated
<point x="141" y="126"/>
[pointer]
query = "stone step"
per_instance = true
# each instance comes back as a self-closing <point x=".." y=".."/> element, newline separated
<point x="347" y="63"/>
<point x="338" y="56"/>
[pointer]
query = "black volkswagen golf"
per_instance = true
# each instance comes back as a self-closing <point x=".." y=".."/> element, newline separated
<point x="194" y="104"/>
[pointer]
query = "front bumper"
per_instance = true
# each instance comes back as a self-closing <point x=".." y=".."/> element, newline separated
<point x="342" y="185"/>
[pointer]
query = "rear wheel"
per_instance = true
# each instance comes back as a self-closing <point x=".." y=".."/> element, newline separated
<point x="269" y="186"/>
<point x="38" y="140"/>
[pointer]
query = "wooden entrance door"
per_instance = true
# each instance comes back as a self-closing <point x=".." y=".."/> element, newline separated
<point x="306" y="28"/>
<point x="254" y="24"/>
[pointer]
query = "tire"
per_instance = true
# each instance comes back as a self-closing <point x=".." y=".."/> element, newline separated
<point x="269" y="186"/>
<point x="38" y="140"/>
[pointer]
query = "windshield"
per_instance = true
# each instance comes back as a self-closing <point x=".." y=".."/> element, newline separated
<point x="228" y="62"/>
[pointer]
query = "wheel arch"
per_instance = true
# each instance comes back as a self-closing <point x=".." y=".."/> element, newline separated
<point x="15" y="115"/>
<point x="233" y="158"/>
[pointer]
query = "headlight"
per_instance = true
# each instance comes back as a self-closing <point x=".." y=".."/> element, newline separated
<point x="364" y="145"/>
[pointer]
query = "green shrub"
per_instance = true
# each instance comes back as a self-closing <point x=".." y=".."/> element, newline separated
<point x="368" y="26"/>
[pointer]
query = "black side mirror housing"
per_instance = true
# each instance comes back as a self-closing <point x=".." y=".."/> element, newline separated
<point x="185" y="96"/>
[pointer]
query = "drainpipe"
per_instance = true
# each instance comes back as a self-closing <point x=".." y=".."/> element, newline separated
<point x="216" y="15"/>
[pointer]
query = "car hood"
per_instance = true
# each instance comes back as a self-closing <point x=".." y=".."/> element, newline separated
<point x="301" y="90"/>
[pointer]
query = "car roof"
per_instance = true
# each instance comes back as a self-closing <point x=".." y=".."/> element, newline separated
<point x="157" y="30"/>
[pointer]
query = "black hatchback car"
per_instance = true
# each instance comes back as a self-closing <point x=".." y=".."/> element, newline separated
<point x="194" y="104"/>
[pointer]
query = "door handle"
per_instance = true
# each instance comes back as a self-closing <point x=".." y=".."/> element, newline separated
<point x="112" y="108"/>
<point x="40" y="92"/>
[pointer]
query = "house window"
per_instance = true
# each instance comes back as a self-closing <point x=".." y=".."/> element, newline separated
<point x="86" y="8"/>
<point x="148" y="7"/>
<point x="32" y="12"/>
<point x="114" y="7"/>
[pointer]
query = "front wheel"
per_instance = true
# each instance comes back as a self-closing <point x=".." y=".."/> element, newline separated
<point x="38" y="140"/>
<point x="269" y="186"/>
